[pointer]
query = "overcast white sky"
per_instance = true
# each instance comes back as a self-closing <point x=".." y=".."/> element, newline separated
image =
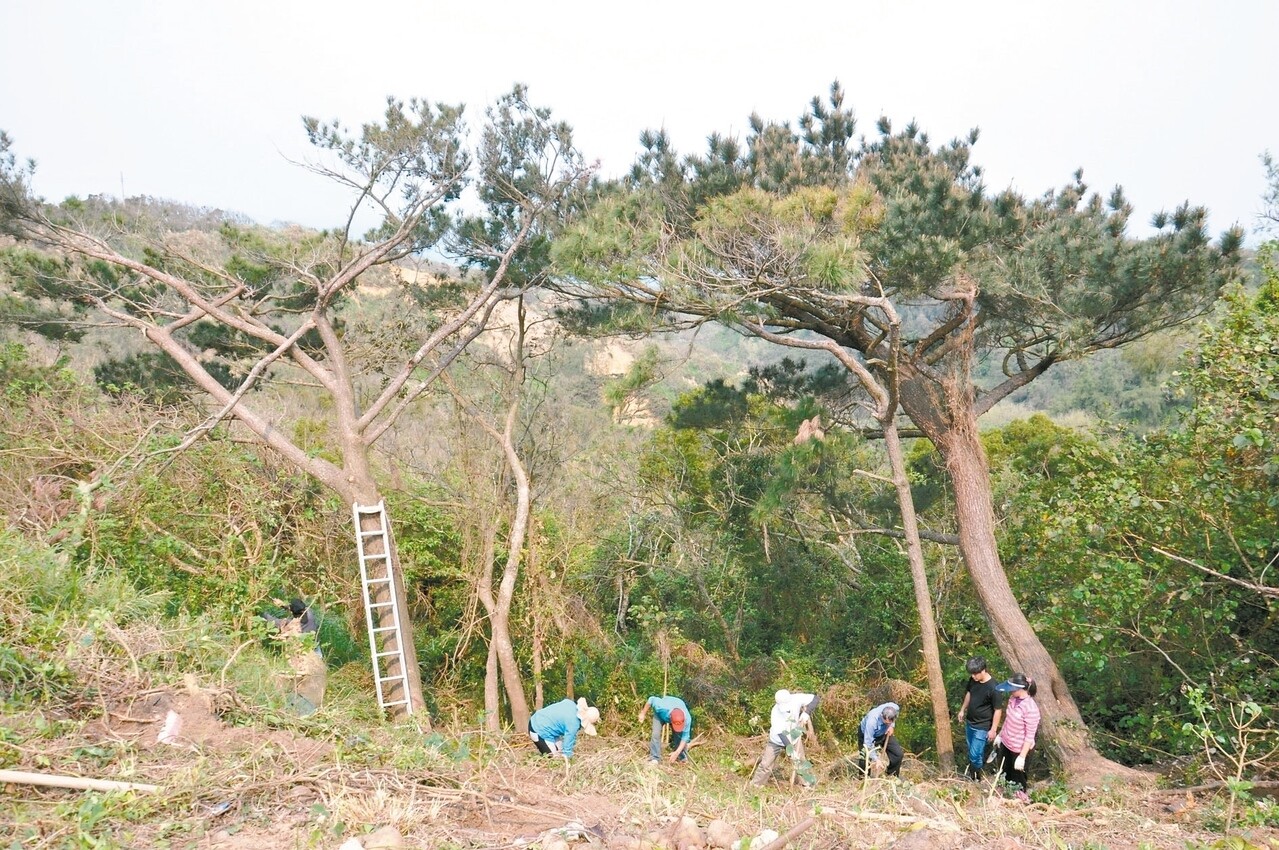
<point x="200" y="101"/>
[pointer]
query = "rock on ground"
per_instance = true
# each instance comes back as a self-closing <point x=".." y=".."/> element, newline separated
<point x="720" y="834"/>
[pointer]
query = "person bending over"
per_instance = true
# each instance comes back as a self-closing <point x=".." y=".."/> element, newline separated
<point x="673" y="712"/>
<point x="789" y="723"/>
<point x="553" y="729"/>
<point x="877" y="734"/>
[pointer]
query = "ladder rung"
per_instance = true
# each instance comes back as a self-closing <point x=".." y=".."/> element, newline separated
<point x="377" y="580"/>
<point x="371" y="533"/>
<point x="381" y="604"/>
<point x="380" y="629"/>
<point x="368" y="555"/>
<point x="397" y="702"/>
<point x="398" y="677"/>
<point x="386" y="654"/>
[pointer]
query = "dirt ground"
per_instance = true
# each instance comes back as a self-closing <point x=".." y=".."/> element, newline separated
<point x="224" y="786"/>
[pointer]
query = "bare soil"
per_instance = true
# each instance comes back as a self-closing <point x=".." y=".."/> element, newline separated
<point x="319" y="784"/>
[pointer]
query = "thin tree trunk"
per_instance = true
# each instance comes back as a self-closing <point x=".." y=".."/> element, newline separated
<point x="498" y="606"/>
<point x="539" y="625"/>
<point x="923" y="599"/>
<point x="511" y="682"/>
<point x="501" y="622"/>
<point x="492" y="699"/>
<point x="568" y="679"/>
<point x="484" y="590"/>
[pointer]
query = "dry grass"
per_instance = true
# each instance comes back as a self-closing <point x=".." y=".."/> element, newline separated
<point x="318" y="782"/>
<point x="244" y="775"/>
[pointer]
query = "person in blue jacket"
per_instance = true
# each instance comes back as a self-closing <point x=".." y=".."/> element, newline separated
<point x="877" y="733"/>
<point x="673" y="712"/>
<point x="553" y="729"/>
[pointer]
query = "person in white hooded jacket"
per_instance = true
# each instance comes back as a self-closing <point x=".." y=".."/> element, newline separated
<point x="790" y="722"/>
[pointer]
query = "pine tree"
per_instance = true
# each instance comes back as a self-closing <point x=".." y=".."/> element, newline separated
<point x="806" y="230"/>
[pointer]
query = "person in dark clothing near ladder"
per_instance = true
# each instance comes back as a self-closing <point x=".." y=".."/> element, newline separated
<point x="980" y="714"/>
<point x="301" y="619"/>
<point x="308" y="678"/>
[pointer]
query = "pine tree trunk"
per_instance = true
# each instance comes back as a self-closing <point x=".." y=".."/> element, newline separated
<point x="956" y="437"/>
<point x="923" y="600"/>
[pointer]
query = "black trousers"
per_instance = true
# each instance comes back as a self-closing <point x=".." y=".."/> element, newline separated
<point x="542" y="746"/>
<point x="1005" y="761"/>
<point x="894" y="752"/>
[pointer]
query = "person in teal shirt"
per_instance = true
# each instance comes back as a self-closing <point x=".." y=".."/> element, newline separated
<point x="553" y="730"/>
<point x="669" y="711"/>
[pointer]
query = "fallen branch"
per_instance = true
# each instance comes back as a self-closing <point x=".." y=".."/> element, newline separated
<point x="792" y="833"/>
<point x="931" y="823"/>
<point x="54" y="780"/>
<point x="1211" y="786"/>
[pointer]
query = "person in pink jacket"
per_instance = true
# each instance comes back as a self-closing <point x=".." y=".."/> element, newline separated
<point x="1017" y="736"/>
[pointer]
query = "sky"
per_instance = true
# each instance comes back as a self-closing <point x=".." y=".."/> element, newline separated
<point x="201" y="102"/>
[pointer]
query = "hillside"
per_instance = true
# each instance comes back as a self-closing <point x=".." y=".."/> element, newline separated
<point x="586" y="505"/>
<point x="237" y="776"/>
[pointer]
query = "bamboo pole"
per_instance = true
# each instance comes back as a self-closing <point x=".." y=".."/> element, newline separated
<point x="54" y="780"/>
<point x="930" y="823"/>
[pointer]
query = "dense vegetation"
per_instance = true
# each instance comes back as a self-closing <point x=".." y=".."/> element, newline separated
<point x="710" y="555"/>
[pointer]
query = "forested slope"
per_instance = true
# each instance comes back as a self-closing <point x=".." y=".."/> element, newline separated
<point x="663" y="526"/>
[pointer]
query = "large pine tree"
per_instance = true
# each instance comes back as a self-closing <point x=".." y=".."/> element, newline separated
<point x="786" y="236"/>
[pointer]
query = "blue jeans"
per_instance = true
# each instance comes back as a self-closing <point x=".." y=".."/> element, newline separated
<point x="976" y="747"/>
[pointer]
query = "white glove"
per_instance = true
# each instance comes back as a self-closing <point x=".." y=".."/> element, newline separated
<point x="1020" y="764"/>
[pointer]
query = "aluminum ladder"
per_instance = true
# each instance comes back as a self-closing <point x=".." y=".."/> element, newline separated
<point x="377" y="581"/>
